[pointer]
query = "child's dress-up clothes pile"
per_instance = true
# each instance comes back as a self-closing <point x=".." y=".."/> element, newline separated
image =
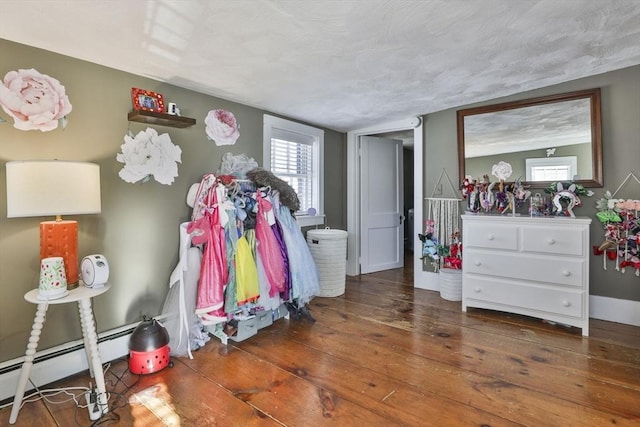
<point x="251" y="256"/>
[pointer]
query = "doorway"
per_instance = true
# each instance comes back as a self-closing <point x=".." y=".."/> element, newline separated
<point x="408" y="178"/>
<point x="382" y="218"/>
<point x="354" y="214"/>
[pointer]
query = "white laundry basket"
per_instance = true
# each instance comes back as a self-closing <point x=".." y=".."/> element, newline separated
<point x="450" y="283"/>
<point x="329" y="251"/>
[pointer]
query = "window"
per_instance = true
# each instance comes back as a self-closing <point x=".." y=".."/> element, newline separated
<point x="294" y="153"/>
<point x="552" y="168"/>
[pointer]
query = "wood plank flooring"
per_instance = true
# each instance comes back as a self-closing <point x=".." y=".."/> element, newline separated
<point x="383" y="354"/>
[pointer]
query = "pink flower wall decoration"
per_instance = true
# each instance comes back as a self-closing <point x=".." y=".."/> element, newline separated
<point x="34" y="100"/>
<point x="221" y="127"/>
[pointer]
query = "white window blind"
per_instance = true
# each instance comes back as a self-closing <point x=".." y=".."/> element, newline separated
<point x="562" y="168"/>
<point x="551" y="173"/>
<point x="293" y="162"/>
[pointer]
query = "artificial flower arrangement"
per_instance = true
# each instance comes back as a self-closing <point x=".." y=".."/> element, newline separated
<point x="34" y="100"/>
<point x="148" y="155"/>
<point x="621" y="223"/>
<point x="441" y="256"/>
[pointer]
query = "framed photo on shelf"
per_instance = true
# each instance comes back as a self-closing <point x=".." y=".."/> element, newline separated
<point x="147" y="101"/>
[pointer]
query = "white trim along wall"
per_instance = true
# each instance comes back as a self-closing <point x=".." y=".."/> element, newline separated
<point x="614" y="310"/>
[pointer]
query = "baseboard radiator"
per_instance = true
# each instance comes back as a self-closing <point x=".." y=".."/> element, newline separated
<point x="62" y="361"/>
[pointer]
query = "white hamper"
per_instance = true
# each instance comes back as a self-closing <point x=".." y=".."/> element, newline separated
<point x="450" y="282"/>
<point x="329" y="251"/>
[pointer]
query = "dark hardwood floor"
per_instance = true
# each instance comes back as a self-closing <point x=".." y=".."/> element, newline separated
<point x="383" y="354"/>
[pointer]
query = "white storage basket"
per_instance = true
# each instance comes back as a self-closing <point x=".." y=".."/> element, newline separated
<point x="450" y="283"/>
<point x="329" y="251"/>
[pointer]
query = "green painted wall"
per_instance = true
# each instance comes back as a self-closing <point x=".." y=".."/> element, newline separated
<point x="621" y="154"/>
<point x="138" y="228"/>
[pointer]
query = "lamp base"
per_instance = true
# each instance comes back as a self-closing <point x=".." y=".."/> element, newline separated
<point x="60" y="238"/>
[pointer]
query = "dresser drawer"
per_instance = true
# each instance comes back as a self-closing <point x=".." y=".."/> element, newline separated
<point x="556" y="270"/>
<point x="491" y="236"/>
<point x="538" y="299"/>
<point x="567" y="241"/>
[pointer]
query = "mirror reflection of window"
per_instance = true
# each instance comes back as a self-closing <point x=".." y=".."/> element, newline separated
<point x="552" y="168"/>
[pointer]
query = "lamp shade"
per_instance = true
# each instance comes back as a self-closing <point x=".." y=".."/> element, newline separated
<point x="52" y="187"/>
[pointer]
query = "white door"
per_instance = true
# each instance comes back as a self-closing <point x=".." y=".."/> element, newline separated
<point x="382" y="230"/>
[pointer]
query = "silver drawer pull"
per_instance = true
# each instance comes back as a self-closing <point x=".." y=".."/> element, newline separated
<point x="477" y="263"/>
<point x="490" y="237"/>
<point x="566" y="273"/>
<point x="550" y="241"/>
<point x="477" y="289"/>
<point x="566" y="303"/>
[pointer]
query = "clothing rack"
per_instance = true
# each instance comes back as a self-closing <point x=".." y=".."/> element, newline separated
<point x="254" y="266"/>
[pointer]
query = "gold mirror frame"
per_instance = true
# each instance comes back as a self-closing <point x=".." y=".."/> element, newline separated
<point x="593" y="95"/>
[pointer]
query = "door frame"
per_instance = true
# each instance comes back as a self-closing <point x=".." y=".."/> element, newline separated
<point x="421" y="279"/>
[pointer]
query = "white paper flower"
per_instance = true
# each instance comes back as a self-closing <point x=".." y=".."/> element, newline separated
<point x="34" y="100"/>
<point x="149" y="154"/>
<point x="501" y="171"/>
<point x="221" y="127"/>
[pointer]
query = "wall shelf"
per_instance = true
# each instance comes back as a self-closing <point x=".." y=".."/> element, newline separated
<point x="163" y="119"/>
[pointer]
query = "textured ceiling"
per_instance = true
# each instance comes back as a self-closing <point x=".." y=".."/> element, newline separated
<point x="341" y="64"/>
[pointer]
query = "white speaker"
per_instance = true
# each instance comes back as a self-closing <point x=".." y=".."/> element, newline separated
<point x="94" y="270"/>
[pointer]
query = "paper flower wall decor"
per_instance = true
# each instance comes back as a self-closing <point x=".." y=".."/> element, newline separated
<point x="147" y="155"/>
<point x="221" y="127"/>
<point x="34" y="100"/>
<point x="501" y="171"/>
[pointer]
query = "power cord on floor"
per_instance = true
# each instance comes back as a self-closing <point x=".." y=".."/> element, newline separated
<point x="118" y="400"/>
<point x="46" y="394"/>
<point x="76" y="394"/>
<point x="91" y="403"/>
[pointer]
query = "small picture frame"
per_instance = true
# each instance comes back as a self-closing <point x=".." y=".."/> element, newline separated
<point x="146" y="100"/>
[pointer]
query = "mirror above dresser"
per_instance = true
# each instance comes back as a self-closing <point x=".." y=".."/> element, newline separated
<point x="545" y="139"/>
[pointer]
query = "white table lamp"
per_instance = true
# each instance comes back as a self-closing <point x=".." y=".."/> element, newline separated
<point x="54" y="187"/>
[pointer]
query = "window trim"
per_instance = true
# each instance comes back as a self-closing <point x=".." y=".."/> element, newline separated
<point x="271" y="123"/>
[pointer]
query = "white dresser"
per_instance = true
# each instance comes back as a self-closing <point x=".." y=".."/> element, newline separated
<point x="537" y="267"/>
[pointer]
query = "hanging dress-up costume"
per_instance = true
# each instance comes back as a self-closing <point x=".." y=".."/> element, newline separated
<point x="305" y="280"/>
<point x="268" y="248"/>
<point x="214" y="273"/>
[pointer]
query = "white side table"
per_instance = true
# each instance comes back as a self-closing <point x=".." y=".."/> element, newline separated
<point x="82" y="295"/>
